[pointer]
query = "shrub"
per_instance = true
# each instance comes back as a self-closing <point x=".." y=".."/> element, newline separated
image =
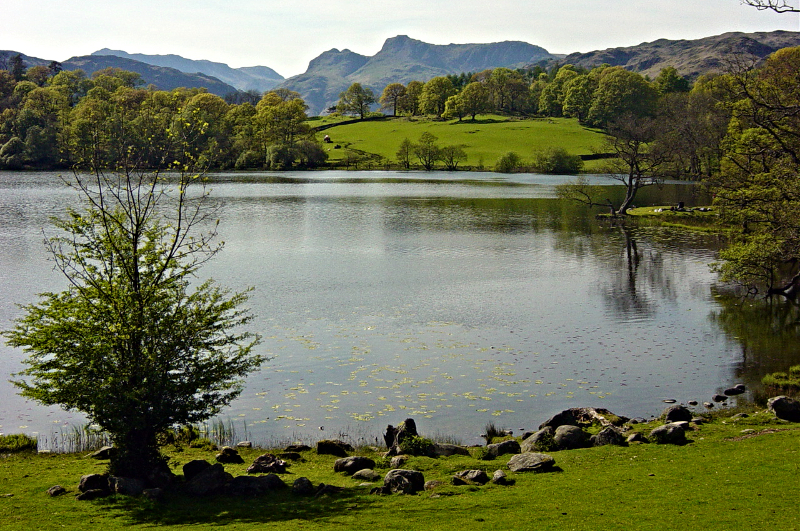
<point x="508" y="163"/>
<point x="249" y="160"/>
<point x="416" y="445"/>
<point x="556" y="161"/>
<point x="784" y="382"/>
<point x="18" y="442"/>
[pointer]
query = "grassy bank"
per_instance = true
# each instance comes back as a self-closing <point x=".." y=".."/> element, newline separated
<point x="734" y="474"/>
<point x="484" y="140"/>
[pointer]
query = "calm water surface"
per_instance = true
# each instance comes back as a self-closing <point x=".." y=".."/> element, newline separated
<point x="455" y="299"/>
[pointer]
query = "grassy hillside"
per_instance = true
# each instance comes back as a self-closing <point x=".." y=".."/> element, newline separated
<point x="484" y="140"/>
<point x="733" y="474"/>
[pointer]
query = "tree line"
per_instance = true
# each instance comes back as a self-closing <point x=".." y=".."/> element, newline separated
<point x="51" y="118"/>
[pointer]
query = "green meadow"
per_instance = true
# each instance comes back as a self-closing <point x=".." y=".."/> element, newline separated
<point x="733" y="474"/>
<point x="484" y="140"/>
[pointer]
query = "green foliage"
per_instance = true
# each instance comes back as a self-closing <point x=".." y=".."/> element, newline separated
<point x="784" y="382"/>
<point x="509" y="162"/>
<point x="356" y="100"/>
<point x="556" y="161"/>
<point x="18" y="442"/>
<point x="416" y="445"/>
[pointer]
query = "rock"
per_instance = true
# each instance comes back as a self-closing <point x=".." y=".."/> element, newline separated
<point x="229" y="455"/>
<point x="506" y="447"/>
<point x="333" y="447"/>
<point x="719" y="398"/>
<point x="579" y="416"/>
<point x="303" y="487"/>
<point x="94" y="482"/>
<point x="608" y="436"/>
<point x="692" y="402"/>
<point x="531" y="462"/>
<point x="432" y="484"/>
<point x="272" y="482"/>
<point x="297" y="448"/>
<point x="473" y="476"/>
<point x="209" y="481"/>
<point x="698" y="420"/>
<point x="741" y="387"/>
<point x="784" y="408"/>
<point x="126" y="486"/>
<point x="636" y="438"/>
<point x="394" y="436"/>
<point x="160" y="477"/>
<point x="244" y="444"/>
<point x="398" y="485"/>
<point x="541" y="441"/>
<point x="733" y="391"/>
<point x="459" y="481"/>
<point x="672" y="433"/>
<point x="326" y="490"/>
<point x="669" y="400"/>
<point x="153" y="494"/>
<point x="351" y="465"/>
<point x="93" y="494"/>
<point x="398" y="461"/>
<point x="267" y="464"/>
<point x="367" y="475"/>
<point x="106" y="452"/>
<point x="500" y="478"/>
<point x="56" y="490"/>
<point x="676" y="413"/>
<point x="570" y="437"/>
<point x="446" y="450"/>
<point x="740" y="416"/>
<point x="415" y="479"/>
<point x="194" y="467"/>
<point x="708" y="405"/>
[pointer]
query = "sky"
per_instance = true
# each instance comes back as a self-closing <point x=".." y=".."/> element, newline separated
<point x="286" y="35"/>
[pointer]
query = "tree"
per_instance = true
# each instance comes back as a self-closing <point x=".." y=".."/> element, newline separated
<point x="452" y="156"/>
<point x="434" y="95"/>
<point x="427" y="151"/>
<point x="356" y="100"/>
<point x="620" y="92"/>
<point x="391" y="97"/>
<point x="475" y="99"/>
<point x="404" y="153"/>
<point x="758" y="189"/>
<point x="409" y="103"/>
<point x="454" y="107"/>
<point x="779" y="6"/>
<point x="669" y="81"/>
<point x="135" y="342"/>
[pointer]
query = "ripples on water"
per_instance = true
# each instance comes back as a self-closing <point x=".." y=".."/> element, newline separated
<point x="383" y="296"/>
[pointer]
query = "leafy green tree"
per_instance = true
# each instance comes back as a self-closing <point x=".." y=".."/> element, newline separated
<point x="135" y="342"/>
<point x="758" y="188"/>
<point x="409" y="103"/>
<point x="475" y="99"/>
<point x="434" y="95"/>
<point x="391" y="97"/>
<point x="621" y="92"/>
<point x="556" y="161"/>
<point x="508" y="163"/>
<point x="578" y="94"/>
<point x="452" y="156"/>
<point x="16" y="66"/>
<point x="356" y="100"/>
<point x="454" y="107"/>
<point x="404" y="153"/>
<point x="669" y="81"/>
<point x="427" y="151"/>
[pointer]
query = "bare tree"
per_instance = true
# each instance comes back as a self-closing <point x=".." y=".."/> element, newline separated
<point x="779" y="6"/>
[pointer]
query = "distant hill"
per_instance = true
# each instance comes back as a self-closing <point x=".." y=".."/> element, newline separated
<point x="691" y="58"/>
<point x="162" y="77"/>
<point x="258" y="78"/>
<point x="401" y="60"/>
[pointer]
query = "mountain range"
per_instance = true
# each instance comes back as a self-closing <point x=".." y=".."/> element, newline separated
<point x="403" y="59"/>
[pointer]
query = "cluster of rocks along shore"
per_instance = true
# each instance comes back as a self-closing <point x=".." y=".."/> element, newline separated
<point x="566" y="430"/>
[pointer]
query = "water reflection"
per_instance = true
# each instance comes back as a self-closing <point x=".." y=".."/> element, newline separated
<point x="457" y="299"/>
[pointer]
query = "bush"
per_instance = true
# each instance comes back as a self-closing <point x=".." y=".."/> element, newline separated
<point x="556" y="161"/>
<point x="249" y="160"/>
<point x="508" y="163"/>
<point x="783" y="382"/>
<point x="416" y="445"/>
<point x="18" y="442"/>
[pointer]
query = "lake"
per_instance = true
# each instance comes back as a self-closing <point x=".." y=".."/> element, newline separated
<point x="457" y="299"/>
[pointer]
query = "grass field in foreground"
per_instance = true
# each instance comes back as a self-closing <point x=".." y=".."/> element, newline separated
<point x="734" y="474"/>
<point x="484" y="140"/>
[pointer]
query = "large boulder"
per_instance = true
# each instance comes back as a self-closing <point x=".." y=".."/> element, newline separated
<point x="194" y="467"/>
<point x="446" y="450"/>
<point x="209" y="481"/>
<point x="531" y="462"/>
<point x="267" y="464"/>
<point x="229" y="455"/>
<point x="415" y="479"/>
<point x="473" y="476"/>
<point x="333" y="447"/>
<point x="541" y="441"/>
<point x="367" y="475"/>
<point x="303" y="487"/>
<point x="126" y="486"/>
<point x="94" y="482"/>
<point x="785" y="408"/>
<point x="106" y="452"/>
<point x="506" y="447"/>
<point x="570" y="437"/>
<point x="351" y="465"/>
<point x="396" y="435"/>
<point x="609" y="436"/>
<point x="677" y="413"/>
<point x="584" y="416"/>
<point x="672" y="433"/>
<point x="248" y="486"/>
